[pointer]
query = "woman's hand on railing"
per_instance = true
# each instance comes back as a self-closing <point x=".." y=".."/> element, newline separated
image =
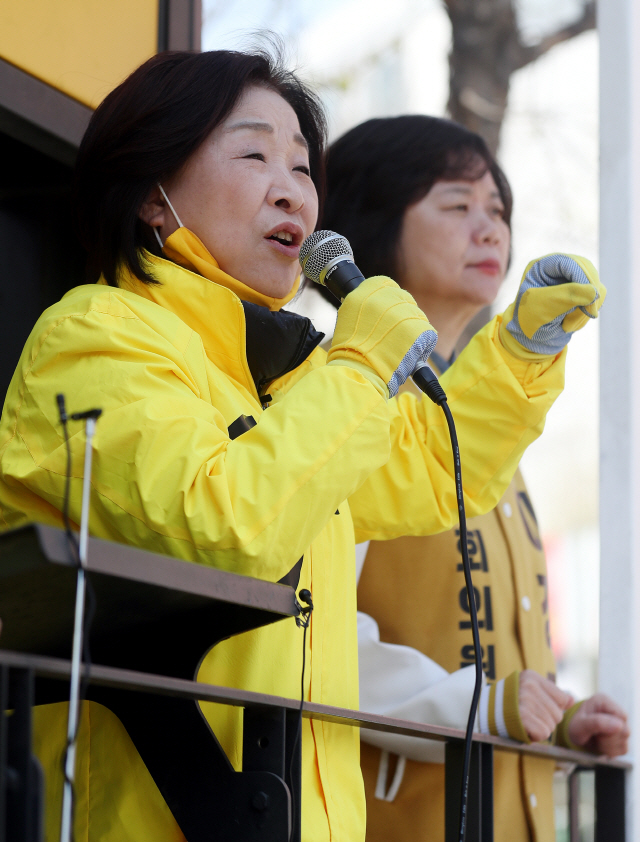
<point x="600" y="726"/>
<point x="542" y="705"/>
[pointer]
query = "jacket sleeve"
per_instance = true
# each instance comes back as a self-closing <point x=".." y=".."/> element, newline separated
<point x="403" y="683"/>
<point x="166" y="475"/>
<point x="499" y="405"/>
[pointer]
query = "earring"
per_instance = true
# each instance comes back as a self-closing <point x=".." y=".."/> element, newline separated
<point x="155" y="231"/>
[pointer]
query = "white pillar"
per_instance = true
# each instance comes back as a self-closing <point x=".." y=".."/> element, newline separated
<point x="619" y="30"/>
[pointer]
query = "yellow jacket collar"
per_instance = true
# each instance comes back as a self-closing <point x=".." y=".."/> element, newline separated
<point x="186" y="249"/>
<point x="219" y="317"/>
<point x="213" y="311"/>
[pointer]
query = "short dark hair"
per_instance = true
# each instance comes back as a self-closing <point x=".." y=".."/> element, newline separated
<point x="147" y="128"/>
<point x="381" y="167"/>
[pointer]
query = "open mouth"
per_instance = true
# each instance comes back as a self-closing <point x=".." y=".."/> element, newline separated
<point x="283" y="237"/>
<point x="287" y="236"/>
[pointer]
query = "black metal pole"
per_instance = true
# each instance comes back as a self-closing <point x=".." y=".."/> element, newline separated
<point x="610" y="804"/>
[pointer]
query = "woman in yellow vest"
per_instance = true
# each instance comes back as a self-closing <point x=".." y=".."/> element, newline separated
<point x="422" y="199"/>
<point x="197" y="180"/>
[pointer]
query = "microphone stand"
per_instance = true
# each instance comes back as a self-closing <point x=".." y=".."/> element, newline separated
<point x="66" y="828"/>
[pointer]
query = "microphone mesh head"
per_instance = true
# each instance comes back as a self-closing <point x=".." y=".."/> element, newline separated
<point x="319" y="250"/>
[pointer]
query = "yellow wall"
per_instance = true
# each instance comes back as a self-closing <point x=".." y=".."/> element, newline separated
<point x="82" y="47"/>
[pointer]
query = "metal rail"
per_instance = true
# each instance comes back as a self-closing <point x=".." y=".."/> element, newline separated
<point x="181" y="688"/>
<point x="610" y="773"/>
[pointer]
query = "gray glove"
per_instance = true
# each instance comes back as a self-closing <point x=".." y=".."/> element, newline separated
<point x="558" y="295"/>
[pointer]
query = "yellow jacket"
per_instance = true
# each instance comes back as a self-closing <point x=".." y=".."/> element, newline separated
<point x="167" y="365"/>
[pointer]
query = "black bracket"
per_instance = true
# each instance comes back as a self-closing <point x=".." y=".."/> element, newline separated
<point x="261" y="803"/>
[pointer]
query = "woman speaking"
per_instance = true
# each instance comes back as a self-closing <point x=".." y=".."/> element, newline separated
<point x="197" y="180"/>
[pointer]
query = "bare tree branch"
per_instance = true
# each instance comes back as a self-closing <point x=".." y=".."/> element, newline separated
<point x="585" y="22"/>
<point x="486" y="50"/>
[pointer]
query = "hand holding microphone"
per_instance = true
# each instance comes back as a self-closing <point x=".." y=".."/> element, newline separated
<point x="558" y="295"/>
<point x="379" y="324"/>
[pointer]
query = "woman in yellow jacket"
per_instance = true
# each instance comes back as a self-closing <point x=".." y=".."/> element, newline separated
<point x="197" y="180"/>
<point x="422" y="199"/>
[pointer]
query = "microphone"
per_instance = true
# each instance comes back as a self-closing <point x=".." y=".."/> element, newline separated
<point x="327" y="259"/>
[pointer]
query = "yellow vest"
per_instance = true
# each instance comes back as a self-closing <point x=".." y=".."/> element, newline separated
<point x="414" y="589"/>
<point x="167" y="365"/>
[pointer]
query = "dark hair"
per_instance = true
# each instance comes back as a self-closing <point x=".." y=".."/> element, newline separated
<point x="381" y="167"/>
<point x="147" y="128"/>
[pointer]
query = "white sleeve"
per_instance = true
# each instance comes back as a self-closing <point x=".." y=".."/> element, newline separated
<point x="361" y="554"/>
<point x="401" y="682"/>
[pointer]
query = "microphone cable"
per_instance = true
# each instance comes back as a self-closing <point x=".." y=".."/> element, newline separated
<point x="427" y="382"/>
<point x="90" y="611"/>
<point x="303" y="621"/>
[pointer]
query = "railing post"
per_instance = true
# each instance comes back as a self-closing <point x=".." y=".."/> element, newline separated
<point x="486" y="765"/>
<point x="293" y="772"/>
<point x="573" y="786"/>
<point x="21" y="778"/>
<point x="270" y="744"/>
<point x="4" y="704"/>
<point x="610" y="804"/>
<point x="479" y="825"/>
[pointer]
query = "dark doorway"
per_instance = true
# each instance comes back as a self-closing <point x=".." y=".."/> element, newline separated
<point x="40" y="256"/>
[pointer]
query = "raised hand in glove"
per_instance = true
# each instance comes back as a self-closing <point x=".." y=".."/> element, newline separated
<point x="381" y="326"/>
<point x="558" y="295"/>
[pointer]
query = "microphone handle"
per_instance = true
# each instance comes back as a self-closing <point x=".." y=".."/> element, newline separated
<point x="343" y="278"/>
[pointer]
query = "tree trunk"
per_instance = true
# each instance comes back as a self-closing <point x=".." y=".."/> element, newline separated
<point x="485" y="33"/>
<point x="486" y="49"/>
